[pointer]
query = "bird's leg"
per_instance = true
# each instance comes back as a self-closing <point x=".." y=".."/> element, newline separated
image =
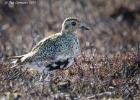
<point x="41" y="77"/>
<point x="45" y="74"/>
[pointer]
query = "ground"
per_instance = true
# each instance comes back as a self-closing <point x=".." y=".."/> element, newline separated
<point x="108" y="67"/>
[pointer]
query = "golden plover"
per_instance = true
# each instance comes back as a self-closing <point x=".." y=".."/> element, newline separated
<point x="54" y="52"/>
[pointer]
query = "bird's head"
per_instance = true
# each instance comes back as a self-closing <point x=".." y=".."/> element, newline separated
<point x="72" y="24"/>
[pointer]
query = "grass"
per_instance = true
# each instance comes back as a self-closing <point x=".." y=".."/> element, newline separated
<point x="96" y="76"/>
<point x="108" y="68"/>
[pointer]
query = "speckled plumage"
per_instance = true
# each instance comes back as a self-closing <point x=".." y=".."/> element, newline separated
<point x="58" y="50"/>
<point x="57" y="47"/>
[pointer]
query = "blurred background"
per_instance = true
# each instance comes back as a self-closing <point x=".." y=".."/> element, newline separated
<point x="115" y="24"/>
<point x="109" y="65"/>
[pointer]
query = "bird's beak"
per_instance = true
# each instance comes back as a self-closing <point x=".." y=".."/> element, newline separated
<point x="84" y="27"/>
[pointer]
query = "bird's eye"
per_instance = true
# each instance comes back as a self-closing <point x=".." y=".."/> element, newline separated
<point x="73" y="23"/>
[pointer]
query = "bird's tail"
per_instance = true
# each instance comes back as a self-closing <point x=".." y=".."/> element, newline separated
<point x="16" y="60"/>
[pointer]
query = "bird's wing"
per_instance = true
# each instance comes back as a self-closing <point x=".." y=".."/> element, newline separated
<point x="38" y="45"/>
<point x="45" y="41"/>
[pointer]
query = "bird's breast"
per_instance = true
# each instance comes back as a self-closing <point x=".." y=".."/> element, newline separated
<point x="76" y="46"/>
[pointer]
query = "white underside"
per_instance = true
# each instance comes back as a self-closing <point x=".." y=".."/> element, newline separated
<point x="36" y="66"/>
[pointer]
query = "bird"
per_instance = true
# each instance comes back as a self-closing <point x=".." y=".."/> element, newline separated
<point x="57" y="51"/>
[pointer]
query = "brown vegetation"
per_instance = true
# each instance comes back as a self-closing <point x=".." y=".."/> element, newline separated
<point x="109" y="66"/>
